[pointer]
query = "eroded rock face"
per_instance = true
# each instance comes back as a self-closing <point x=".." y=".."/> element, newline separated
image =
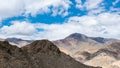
<point x="39" y="54"/>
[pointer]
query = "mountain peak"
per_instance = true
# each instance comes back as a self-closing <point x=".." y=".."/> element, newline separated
<point x="13" y="39"/>
<point x="84" y="38"/>
<point x="38" y="54"/>
<point x="78" y="36"/>
<point x="43" y="46"/>
<point x="16" y="40"/>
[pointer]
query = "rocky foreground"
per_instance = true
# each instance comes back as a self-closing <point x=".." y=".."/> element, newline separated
<point x="39" y="54"/>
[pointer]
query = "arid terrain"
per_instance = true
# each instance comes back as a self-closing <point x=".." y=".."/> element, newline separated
<point x="39" y="54"/>
<point x="93" y="51"/>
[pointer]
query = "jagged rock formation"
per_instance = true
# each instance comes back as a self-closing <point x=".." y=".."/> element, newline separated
<point x="39" y="54"/>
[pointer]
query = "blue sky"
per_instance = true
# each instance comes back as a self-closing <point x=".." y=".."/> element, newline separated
<point x="56" y="19"/>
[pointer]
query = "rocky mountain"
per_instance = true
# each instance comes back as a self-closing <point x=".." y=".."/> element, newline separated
<point x="79" y="37"/>
<point x="18" y="42"/>
<point x="87" y="50"/>
<point x="39" y="54"/>
<point x="84" y="38"/>
<point x="108" y="57"/>
<point x="76" y="36"/>
<point x="94" y="51"/>
<point x="76" y="44"/>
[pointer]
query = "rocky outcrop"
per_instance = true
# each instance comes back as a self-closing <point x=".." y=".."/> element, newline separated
<point x="39" y="54"/>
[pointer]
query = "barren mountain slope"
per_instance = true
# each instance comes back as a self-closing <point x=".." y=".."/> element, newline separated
<point x="107" y="57"/>
<point x="39" y="54"/>
<point x="76" y="44"/>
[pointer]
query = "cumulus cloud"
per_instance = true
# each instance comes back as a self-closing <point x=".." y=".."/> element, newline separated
<point x="10" y="8"/>
<point x="57" y="7"/>
<point x="95" y="23"/>
<point x="92" y="6"/>
<point x="25" y="7"/>
<point x="18" y="29"/>
<point x="79" y="4"/>
<point x="103" y="25"/>
<point x="26" y="30"/>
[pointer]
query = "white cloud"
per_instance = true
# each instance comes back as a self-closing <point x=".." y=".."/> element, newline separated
<point x="10" y="8"/>
<point x="89" y="4"/>
<point x="109" y="18"/>
<point x="103" y="25"/>
<point x="58" y="31"/>
<point x="79" y="4"/>
<point x="92" y="6"/>
<point x="96" y="11"/>
<point x="58" y="7"/>
<point x="18" y="29"/>
<point x="19" y="7"/>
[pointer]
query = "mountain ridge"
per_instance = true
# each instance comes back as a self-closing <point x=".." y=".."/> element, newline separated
<point x="89" y="50"/>
<point x="81" y="37"/>
<point x="80" y="47"/>
<point x="38" y="54"/>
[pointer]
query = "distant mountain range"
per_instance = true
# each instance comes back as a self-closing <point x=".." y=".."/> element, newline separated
<point x="76" y="36"/>
<point x="93" y="51"/>
<point x="38" y="54"/>
<point x="18" y="42"/>
<point x="77" y="43"/>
